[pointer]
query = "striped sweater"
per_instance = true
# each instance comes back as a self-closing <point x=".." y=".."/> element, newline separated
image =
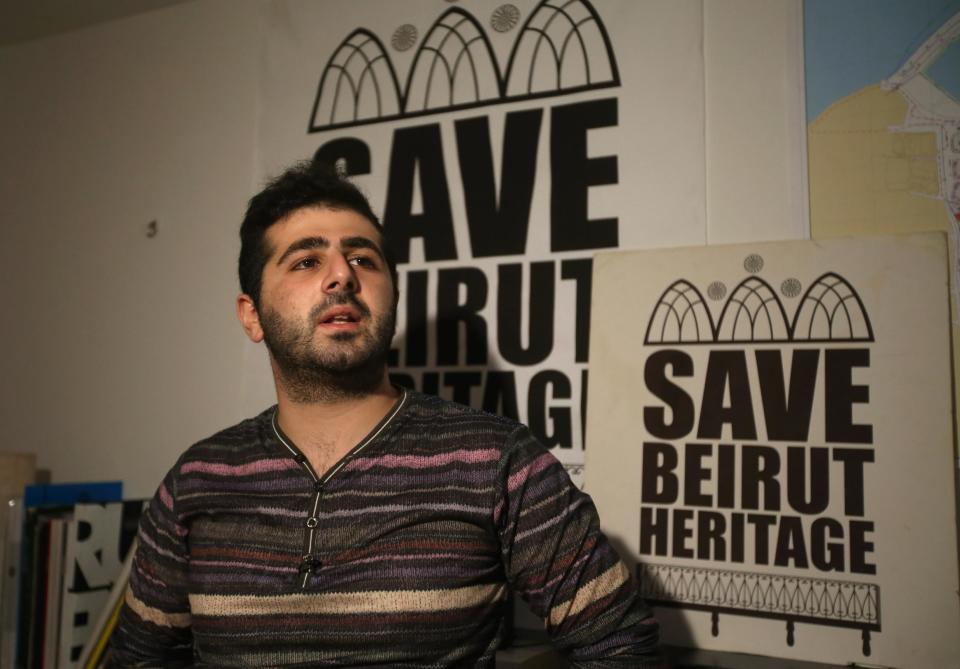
<point x="401" y="555"/>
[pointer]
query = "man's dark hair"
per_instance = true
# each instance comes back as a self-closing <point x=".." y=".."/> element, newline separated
<point x="305" y="184"/>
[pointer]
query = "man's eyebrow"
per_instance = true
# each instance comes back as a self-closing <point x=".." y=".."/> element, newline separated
<point x="359" y="242"/>
<point x="304" y="244"/>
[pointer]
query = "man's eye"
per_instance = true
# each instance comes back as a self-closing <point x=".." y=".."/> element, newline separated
<point x="306" y="263"/>
<point x="361" y="261"/>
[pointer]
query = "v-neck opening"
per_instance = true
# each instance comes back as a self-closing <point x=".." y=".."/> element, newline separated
<point x="371" y="436"/>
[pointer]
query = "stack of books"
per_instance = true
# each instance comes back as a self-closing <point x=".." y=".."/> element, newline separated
<point x="66" y="555"/>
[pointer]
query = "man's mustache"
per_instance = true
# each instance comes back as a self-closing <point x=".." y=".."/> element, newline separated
<point x="337" y="300"/>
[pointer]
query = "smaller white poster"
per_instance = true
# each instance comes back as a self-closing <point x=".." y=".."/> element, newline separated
<point x="770" y="431"/>
<point x="98" y="539"/>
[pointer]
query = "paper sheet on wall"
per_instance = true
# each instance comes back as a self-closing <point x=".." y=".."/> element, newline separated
<point x="503" y="144"/>
<point x="771" y="444"/>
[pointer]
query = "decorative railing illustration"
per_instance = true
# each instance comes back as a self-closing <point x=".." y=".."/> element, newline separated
<point x="793" y="599"/>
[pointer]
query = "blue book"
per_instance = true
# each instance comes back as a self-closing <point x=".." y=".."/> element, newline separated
<point x="65" y="494"/>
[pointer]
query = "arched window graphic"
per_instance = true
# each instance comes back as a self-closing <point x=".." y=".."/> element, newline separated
<point x="753" y="312"/>
<point x="358" y="83"/>
<point x="831" y="310"/>
<point x="453" y="67"/>
<point x="681" y="316"/>
<point x="563" y="45"/>
<point x="562" y="48"/>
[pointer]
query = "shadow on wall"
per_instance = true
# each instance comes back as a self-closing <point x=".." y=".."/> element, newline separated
<point x="459" y="386"/>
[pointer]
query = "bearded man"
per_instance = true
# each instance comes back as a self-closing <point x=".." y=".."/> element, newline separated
<point x="355" y="523"/>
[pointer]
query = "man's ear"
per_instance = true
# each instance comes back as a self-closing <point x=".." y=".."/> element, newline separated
<point x="249" y="318"/>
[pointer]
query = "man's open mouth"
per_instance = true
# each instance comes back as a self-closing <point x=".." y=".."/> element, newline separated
<point x="340" y="315"/>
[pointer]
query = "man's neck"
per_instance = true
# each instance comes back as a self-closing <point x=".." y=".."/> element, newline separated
<point x="325" y="431"/>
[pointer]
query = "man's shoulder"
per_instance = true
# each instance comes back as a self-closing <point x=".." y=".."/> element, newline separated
<point x="443" y="409"/>
<point x="429" y="413"/>
<point x="238" y="442"/>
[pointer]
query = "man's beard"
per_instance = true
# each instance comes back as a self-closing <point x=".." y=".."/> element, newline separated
<point x="352" y="365"/>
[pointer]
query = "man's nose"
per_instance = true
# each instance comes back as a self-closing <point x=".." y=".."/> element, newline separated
<point x="340" y="275"/>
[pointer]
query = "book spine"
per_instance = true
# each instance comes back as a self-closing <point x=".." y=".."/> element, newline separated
<point x="51" y="631"/>
<point x="38" y="615"/>
<point x="10" y="589"/>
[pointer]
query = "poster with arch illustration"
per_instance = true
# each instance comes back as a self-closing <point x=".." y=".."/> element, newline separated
<point x="776" y="430"/>
<point x="503" y="144"/>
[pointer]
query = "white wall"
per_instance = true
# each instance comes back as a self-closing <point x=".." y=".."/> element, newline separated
<point x="121" y="350"/>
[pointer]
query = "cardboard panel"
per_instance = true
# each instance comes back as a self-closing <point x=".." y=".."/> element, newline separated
<point x="770" y="439"/>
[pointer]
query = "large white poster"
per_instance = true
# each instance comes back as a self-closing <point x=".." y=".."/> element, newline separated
<point x="503" y="144"/>
<point x="771" y="442"/>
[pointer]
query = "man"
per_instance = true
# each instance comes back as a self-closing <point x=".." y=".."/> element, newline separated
<point x="355" y="523"/>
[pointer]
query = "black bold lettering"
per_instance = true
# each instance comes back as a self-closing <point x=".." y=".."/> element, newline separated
<point x="658" y="483"/>
<point x="859" y="547"/>
<point x="681" y="532"/>
<point x="826" y="555"/>
<point x="841" y="395"/>
<point x="710" y="530"/>
<point x="797" y="479"/>
<point x="415" y="332"/>
<point x="695" y="473"/>
<point x="726" y="475"/>
<point x="680" y="404"/>
<point x="539" y="313"/>
<point x="787" y="416"/>
<point x="583" y="406"/>
<point x="500" y="394"/>
<point x="430" y="383"/>
<point x="498" y="229"/>
<point x="352" y="154"/>
<point x="761" y="536"/>
<point x="653" y="531"/>
<point x="736" y="537"/>
<point x="791" y="546"/>
<point x="581" y="271"/>
<point x="558" y="417"/>
<point x="727" y="368"/>
<point x="451" y="312"/>
<point x="853" y="460"/>
<point x="419" y="150"/>
<point x="759" y="466"/>
<point x="572" y="173"/>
